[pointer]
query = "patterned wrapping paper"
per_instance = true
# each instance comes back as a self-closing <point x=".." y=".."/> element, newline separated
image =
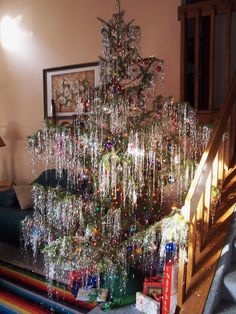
<point x="97" y="295"/>
<point x="147" y="305"/>
<point x="170" y="288"/>
<point x="153" y="287"/>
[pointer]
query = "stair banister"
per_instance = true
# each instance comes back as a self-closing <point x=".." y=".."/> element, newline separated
<point x="210" y="172"/>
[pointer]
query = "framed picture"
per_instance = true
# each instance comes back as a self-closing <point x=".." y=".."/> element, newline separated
<point x="62" y="85"/>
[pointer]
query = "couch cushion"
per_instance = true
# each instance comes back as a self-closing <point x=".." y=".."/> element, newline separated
<point x="51" y="178"/>
<point x="24" y="195"/>
<point x="8" y="198"/>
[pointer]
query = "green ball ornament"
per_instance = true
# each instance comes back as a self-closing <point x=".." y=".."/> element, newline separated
<point x="98" y="209"/>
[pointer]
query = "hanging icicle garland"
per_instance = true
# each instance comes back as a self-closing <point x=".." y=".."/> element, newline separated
<point x="124" y="168"/>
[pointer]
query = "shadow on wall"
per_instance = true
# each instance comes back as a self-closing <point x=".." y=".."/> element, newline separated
<point x="12" y="137"/>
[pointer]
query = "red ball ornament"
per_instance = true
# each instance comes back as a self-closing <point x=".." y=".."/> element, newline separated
<point x="158" y="68"/>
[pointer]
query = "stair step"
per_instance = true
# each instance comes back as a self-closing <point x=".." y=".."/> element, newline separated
<point x="229" y="284"/>
<point x="229" y="189"/>
<point x="225" y="307"/>
<point x="230" y="178"/>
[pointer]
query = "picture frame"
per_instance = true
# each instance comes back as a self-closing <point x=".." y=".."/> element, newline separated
<point x="61" y="87"/>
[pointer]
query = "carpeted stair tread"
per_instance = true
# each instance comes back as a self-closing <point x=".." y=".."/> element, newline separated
<point x="11" y="303"/>
<point x="234" y="251"/>
<point x="229" y="286"/>
<point x="225" y="307"/>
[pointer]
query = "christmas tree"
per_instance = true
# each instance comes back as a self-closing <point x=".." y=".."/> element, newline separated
<point x="123" y="167"/>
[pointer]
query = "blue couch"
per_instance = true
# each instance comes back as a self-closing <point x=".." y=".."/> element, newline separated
<point x="10" y="220"/>
<point x="11" y="214"/>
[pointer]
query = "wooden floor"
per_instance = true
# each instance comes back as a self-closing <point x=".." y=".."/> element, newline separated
<point x="195" y="302"/>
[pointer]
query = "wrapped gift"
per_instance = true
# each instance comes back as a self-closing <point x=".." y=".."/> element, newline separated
<point x="170" y="287"/>
<point x="83" y="277"/>
<point x="78" y="279"/>
<point x="146" y="304"/>
<point x="92" y="295"/>
<point x="153" y="287"/>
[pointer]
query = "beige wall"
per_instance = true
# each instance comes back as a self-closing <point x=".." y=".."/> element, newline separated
<point x="67" y="32"/>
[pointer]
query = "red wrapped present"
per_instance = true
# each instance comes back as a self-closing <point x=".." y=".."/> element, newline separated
<point x="153" y="287"/>
<point x="170" y="287"/>
<point x="73" y="277"/>
<point x="79" y="278"/>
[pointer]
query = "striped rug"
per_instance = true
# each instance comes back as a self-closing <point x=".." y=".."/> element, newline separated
<point x="12" y="304"/>
<point x="24" y="290"/>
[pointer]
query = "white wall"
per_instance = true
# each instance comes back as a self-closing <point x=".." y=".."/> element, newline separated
<point x="67" y="32"/>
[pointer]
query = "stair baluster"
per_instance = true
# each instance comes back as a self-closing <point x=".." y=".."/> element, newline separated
<point x="210" y="173"/>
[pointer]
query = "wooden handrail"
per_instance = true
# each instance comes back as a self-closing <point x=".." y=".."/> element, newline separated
<point x="210" y="172"/>
<point x="204" y="167"/>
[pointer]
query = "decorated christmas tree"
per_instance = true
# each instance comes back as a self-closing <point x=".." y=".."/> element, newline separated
<point x="122" y="173"/>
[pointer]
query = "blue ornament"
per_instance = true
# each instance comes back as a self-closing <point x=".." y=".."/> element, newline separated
<point x="36" y="232"/>
<point x="170" y="247"/>
<point x="171" y="179"/>
<point x="108" y="145"/>
<point x="130" y="249"/>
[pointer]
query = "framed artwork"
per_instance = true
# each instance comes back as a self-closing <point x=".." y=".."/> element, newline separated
<point x="62" y="85"/>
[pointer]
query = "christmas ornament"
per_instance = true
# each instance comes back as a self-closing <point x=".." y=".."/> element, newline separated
<point x="170" y="247"/>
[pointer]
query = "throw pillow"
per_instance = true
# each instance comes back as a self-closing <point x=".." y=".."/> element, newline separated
<point x="24" y="195"/>
<point x="8" y="198"/>
<point x="51" y="178"/>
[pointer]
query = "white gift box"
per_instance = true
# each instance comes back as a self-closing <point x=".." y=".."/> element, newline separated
<point x="84" y="294"/>
<point x="146" y="304"/>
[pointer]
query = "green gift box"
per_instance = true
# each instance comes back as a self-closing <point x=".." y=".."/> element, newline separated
<point x="120" y="290"/>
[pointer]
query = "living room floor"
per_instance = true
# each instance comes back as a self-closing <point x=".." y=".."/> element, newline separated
<point x="15" y="256"/>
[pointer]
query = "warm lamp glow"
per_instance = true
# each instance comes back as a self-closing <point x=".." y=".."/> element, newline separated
<point x="11" y="33"/>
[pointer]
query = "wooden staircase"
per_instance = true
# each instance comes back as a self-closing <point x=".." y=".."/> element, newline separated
<point x="208" y="216"/>
<point x="229" y="187"/>
<point x="222" y="295"/>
